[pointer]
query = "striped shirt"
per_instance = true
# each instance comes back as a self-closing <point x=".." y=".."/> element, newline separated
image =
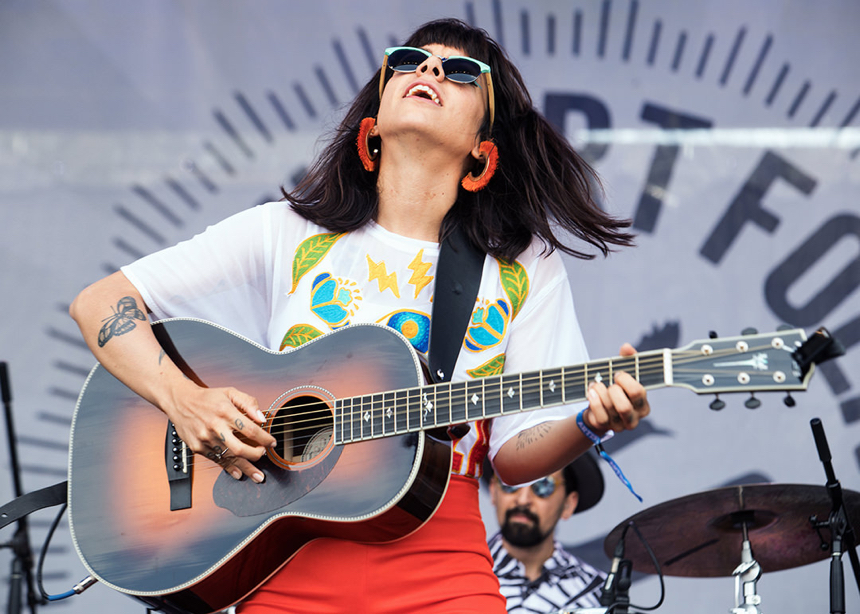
<point x="565" y="582"/>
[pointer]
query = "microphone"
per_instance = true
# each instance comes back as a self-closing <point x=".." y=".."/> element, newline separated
<point x="610" y="587"/>
<point x="5" y="388"/>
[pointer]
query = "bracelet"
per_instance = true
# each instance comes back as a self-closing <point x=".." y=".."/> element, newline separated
<point x="598" y="445"/>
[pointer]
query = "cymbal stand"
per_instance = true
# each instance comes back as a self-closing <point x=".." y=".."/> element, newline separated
<point x="842" y="534"/>
<point x="22" y="561"/>
<point x="746" y="576"/>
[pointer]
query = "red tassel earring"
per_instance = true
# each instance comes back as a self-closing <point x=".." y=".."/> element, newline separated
<point x="490" y="156"/>
<point x="368" y="156"/>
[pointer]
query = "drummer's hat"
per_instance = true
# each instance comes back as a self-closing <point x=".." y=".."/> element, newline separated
<point x="583" y="475"/>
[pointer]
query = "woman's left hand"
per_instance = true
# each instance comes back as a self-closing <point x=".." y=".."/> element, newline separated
<point x="619" y="406"/>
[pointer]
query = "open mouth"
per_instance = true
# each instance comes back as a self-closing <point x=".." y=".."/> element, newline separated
<point x="423" y="91"/>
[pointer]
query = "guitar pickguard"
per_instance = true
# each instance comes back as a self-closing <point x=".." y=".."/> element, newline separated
<point x="280" y="488"/>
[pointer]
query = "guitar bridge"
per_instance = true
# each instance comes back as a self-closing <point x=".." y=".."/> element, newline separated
<point x="179" y="461"/>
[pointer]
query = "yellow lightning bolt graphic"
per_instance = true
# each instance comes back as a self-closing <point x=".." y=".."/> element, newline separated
<point x="419" y="268"/>
<point x="383" y="279"/>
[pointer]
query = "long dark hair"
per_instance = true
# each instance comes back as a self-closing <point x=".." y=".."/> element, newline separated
<point x="542" y="187"/>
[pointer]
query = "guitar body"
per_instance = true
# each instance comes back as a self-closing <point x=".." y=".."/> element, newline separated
<point x="126" y="472"/>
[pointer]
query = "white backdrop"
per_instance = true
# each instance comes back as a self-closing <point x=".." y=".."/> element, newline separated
<point x="727" y="129"/>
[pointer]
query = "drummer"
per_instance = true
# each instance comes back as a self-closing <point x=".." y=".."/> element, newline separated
<point x="535" y="572"/>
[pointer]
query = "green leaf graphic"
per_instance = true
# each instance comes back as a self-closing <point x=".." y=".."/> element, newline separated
<point x="515" y="281"/>
<point x="310" y="252"/>
<point x="493" y="366"/>
<point x="298" y="335"/>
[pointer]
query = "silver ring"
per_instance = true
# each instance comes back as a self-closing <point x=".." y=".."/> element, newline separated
<point x="221" y="454"/>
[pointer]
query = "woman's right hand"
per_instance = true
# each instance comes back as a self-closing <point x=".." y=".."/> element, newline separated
<point x="222" y="424"/>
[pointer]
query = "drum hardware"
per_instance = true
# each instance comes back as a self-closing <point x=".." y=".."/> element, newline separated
<point x="700" y="535"/>
<point x="616" y="589"/>
<point x="746" y="576"/>
<point x="842" y="537"/>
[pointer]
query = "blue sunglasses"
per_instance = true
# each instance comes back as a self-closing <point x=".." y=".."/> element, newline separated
<point x="543" y="488"/>
<point x="457" y="68"/>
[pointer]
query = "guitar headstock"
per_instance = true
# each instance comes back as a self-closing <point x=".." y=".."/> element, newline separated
<point x="780" y="361"/>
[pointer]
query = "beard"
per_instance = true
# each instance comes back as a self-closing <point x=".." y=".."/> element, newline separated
<point x="522" y="535"/>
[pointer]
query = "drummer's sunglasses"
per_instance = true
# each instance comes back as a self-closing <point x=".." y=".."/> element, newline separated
<point x="543" y="488"/>
<point x="457" y="68"/>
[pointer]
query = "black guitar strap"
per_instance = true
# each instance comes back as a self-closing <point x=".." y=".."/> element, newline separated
<point x="458" y="277"/>
<point x="32" y="501"/>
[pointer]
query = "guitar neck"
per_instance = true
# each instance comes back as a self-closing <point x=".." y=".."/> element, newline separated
<point x="399" y="412"/>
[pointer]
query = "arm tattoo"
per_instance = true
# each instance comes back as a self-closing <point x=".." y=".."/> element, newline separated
<point x="161" y="356"/>
<point x="529" y="436"/>
<point x="122" y="320"/>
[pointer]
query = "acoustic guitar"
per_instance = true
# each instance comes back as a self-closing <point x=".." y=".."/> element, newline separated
<point x="350" y="412"/>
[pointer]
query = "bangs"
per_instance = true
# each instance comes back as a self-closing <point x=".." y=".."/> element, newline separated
<point x="455" y="34"/>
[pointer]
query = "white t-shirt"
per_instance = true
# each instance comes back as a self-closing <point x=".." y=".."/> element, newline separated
<point x="271" y="276"/>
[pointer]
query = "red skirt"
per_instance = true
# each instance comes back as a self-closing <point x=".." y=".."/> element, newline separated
<point x="443" y="567"/>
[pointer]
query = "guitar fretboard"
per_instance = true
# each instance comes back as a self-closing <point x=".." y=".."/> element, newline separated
<point x="409" y="410"/>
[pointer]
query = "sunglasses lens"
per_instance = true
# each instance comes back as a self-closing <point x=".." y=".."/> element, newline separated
<point x="461" y="70"/>
<point x="544" y="487"/>
<point x="405" y="60"/>
<point x="508" y="489"/>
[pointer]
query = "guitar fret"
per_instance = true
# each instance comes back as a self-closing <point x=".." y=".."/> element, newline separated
<point x="338" y="422"/>
<point x="474" y="400"/>
<point x="363" y="418"/>
<point x="388" y="413"/>
<point x="601" y="369"/>
<point x="532" y="391"/>
<point x="376" y="409"/>
<point x="413" y="409"/>
<point x="401" y="411"/>
<point x="574" y="384"/>
<point x="552" y="387"/>
<point x="510" y="393"/>
<point x="427" y="406"/>
<point x="459" y="403"/>
<point x="584" y="381"/>
<point x="492" y="397"/>
<point x="443" y="405"/>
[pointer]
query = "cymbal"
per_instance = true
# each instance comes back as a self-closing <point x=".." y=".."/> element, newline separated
<point x="701" y="535"/>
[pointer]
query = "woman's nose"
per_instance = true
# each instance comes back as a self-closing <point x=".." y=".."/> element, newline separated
<point x="433" y="66"/>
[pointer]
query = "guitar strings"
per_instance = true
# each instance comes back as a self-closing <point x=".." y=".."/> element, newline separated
<point x="649" y="365"/>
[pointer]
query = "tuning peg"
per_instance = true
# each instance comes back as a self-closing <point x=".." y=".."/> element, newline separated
<point x="717" y="404"/>
<point x="752" y="402"/>
<point x="789" y="400"/>
<point x="749" y="331"/>
<point x="713" y="334"/>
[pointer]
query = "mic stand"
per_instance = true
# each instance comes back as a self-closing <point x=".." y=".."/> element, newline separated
<point x="622" y="594"/>
<point x="841" y="533"/>
<point x="746" y="576"/>
<point x="22" y="561"/>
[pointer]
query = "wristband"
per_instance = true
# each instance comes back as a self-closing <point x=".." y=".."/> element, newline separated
<point x="595" y="439"/>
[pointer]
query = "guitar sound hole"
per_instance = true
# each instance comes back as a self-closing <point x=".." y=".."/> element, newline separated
<point x="303" y="428"/>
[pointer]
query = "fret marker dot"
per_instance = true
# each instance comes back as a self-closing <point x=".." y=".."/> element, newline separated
<point x="552" y="385"/>
<point x="598" y="378"/>
<point x="475" y="399"/>
<point x="511" y="393"/>
<point x="367" y="416"/>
